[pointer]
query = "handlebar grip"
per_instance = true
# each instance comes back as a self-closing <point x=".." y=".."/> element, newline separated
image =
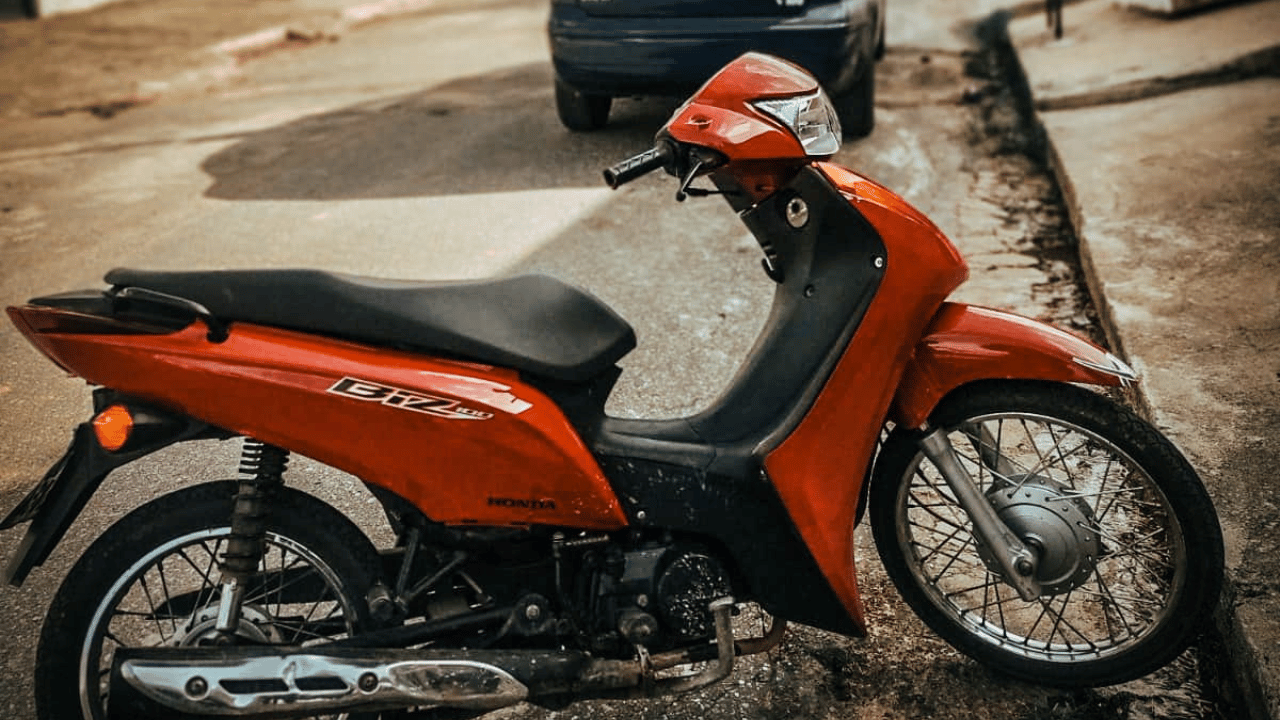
<point x="642" y="164"/>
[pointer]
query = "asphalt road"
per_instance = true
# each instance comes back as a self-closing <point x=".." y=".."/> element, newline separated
<point x="428" y="147"/>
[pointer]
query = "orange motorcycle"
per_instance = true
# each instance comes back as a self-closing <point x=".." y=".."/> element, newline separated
<point x="546" y="550"/>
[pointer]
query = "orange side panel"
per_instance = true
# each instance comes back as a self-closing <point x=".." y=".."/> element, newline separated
<point x="467" y="444"/>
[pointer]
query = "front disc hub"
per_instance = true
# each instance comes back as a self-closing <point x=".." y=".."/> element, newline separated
<point x="1055" y="523"/>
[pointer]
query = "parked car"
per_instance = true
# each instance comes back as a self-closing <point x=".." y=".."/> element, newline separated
<point x="602" y="49"/>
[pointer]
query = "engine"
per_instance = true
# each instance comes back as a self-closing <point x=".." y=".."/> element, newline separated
<point x="656" y="595"/>
<point x="604" y="593"/>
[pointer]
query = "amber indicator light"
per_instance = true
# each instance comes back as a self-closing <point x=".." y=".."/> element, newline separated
<point x="112" y="426"/>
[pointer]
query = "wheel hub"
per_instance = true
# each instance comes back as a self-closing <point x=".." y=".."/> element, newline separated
<point x="255" y="626"/>
<point x="1054" y="524"/>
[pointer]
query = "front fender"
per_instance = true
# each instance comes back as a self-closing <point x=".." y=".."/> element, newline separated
<point x="965" y="343"/>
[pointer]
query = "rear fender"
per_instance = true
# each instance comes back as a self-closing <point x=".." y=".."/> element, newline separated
<point x="964" y="344"/>
<point x="58" y="498"/>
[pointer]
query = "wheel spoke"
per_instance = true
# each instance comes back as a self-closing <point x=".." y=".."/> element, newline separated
<point x="205" y="574"/>
<point x="939" y="551"/>
<point x="928" y="508"/>
<point x="1060" y="621"/>
<point x="264" y="592"/>
<point x="146" y="590"/>
<point x="164" y="587"/>
<point x="1109" y="600"/>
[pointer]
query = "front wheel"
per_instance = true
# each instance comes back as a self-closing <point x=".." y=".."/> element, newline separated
<point x="1129" y="547"/>
<point x="151" y="580"/>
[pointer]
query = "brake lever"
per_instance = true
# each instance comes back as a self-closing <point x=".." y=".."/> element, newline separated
<point x="686" y="191"/>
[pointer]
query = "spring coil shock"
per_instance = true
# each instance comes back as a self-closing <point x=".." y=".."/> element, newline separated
<point x="262" y="467"/>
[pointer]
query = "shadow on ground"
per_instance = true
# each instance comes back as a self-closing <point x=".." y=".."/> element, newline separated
<point x="488" y="133"/>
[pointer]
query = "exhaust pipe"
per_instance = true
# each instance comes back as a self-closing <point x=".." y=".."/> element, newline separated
<point x="274" y="682"/>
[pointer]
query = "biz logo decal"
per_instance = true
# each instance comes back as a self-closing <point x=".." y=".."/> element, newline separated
<point x="406" y="399"/>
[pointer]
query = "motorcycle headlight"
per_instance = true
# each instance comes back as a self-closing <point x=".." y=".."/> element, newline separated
<point x="812" y="118"/>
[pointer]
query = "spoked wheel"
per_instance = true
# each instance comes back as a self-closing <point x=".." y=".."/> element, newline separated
<point x="1129" y="547"/>
<point x="152" y="580"/>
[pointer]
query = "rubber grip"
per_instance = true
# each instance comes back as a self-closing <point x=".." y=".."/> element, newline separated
<point x="632" y="168"/>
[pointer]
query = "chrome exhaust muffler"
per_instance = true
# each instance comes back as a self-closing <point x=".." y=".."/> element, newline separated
<point x="278" y="682"/>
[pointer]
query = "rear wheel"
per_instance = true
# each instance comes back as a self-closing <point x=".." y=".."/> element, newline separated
<point x="151" y="580"/>
<point x="1130" y="551"/>
<point x="581" y="111"/>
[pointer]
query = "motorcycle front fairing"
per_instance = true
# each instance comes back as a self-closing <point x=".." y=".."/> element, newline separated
<point x="817" y="455"/>
<point x="820" y="468"/>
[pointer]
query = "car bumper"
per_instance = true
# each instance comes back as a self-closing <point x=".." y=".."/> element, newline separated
<point x="643" y="56"/>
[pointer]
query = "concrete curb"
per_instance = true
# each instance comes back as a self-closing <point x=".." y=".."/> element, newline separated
<point x="1256" y="64"/>
<point x="351" y="17"/>
<point x="381" y="8"/>
<point x="227" y="54"/>
<point x="1245" y="667"/>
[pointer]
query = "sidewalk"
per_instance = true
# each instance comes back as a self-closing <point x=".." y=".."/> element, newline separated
<point x="1165" y="137"/>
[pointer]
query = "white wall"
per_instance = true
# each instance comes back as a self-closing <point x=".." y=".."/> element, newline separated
<point x="45" y="8"/>
<point x="1170" y="7"/>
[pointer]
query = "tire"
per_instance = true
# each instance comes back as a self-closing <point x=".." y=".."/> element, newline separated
<point x="856" y="106"/>
<point x="579" y="111"/>
<point x="1130" y="549"/>
<point x="882" y="33"/>
<point x="307" y="539"/>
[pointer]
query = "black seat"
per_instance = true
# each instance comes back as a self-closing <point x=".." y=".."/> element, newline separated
<point x="533" y="323"/>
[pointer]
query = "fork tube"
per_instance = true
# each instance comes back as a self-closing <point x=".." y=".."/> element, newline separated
<point x="1016" y="559"/>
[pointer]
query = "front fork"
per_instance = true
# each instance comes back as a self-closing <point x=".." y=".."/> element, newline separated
<point x="1017" y="560"/>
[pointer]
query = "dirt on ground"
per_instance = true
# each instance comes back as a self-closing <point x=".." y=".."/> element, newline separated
<point x="125" y="53"/>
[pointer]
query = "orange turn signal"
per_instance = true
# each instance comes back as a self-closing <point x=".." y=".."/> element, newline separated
<point x="112" y="426"/>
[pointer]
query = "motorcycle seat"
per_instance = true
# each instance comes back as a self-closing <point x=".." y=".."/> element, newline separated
<point x="532" y="323"/>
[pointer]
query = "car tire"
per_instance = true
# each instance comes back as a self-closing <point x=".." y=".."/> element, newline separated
<point x="857" y="105"/>
<point x="580" y="111"/>
<point x="881" y="45"/>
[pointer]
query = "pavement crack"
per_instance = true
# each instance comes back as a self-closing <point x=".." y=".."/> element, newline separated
<point x="104" y="110"/>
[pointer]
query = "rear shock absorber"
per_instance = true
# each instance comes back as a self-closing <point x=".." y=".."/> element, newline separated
<point x="262" y="467"/>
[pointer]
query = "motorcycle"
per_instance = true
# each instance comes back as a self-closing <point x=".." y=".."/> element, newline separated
<point x="547" y="552"/>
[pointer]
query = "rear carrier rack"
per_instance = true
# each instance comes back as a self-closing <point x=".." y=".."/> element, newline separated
<point x="130" y="310"/>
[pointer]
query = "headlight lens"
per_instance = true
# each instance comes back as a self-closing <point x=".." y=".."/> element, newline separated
<point x="811" y="117"/>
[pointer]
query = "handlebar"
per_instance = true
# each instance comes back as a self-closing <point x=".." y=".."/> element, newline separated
<point x="646" y="162"/>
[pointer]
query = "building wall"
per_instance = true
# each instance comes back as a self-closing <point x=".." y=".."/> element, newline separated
<point x="45" y="8"/>
<point x="1171" y="7"/>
